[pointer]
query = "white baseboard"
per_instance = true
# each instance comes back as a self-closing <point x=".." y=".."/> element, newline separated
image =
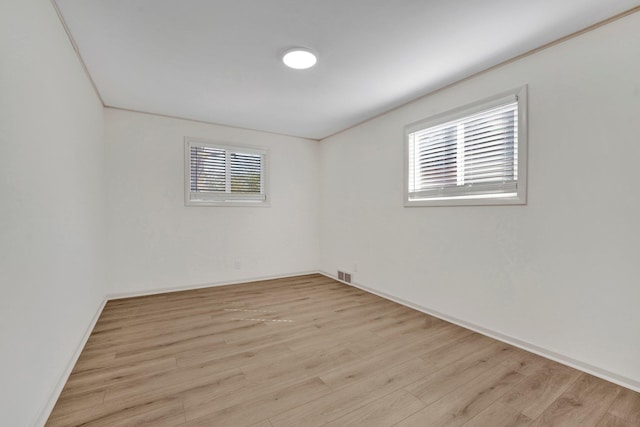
<point x="121" y="295"/>
<point x="577" y="364"/>
<point x="557" y="357"/>
<point x="46" y="412"/>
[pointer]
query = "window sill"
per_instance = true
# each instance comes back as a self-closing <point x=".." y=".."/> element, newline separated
<point x="466" y="201"/>
<point x="233" y="203"/>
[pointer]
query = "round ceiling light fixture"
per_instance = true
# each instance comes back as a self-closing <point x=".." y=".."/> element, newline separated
<point x="299" y="58"/>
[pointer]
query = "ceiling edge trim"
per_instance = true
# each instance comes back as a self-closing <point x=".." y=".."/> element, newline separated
<point x="77" y="51"/>
<point x="204" y="122"/>
<point x="501" y="64"/>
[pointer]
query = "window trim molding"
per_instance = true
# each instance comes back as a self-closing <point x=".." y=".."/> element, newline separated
<point x="234" y="201"/>
<point x="466" y="110"/>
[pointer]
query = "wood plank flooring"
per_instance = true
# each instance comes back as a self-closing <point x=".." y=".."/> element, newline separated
<point x="309" y="351"/>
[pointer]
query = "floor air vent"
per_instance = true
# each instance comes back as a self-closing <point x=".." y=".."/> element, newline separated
<point x="345" y="277"/>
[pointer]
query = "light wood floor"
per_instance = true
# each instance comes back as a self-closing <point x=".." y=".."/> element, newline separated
<point x="309" y="351"/>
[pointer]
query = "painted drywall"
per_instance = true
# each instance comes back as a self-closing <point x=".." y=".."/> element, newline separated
<point x="52" y="211"/>
<point x="155" y="242"/>
<point x="562" y="271"/>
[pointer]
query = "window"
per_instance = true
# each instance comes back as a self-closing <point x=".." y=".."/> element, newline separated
<point x="475" y="155"/>
<point x="224" y="175"/>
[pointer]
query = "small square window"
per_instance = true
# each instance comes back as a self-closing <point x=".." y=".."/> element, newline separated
<point x="223" y="175"/>
<point x="475" y="155"/>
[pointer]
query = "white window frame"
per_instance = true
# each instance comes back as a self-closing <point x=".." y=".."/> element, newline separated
<point x="449" y="198"/>
<point x="194" y="198"/>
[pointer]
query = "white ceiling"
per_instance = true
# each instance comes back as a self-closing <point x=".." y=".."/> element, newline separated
<point x="218" y="61"/>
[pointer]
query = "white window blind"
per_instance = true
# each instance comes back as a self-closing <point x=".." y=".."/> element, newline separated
<point x="474" y="155"/>
<point x="220" y="174"/>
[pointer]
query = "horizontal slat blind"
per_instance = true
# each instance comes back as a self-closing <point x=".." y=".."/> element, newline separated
<point x="225" y="174"/>
<point x="490" y="145"/>
<point x="245" y="173"/>
<point x="208" y="169"/>
<point x="473" y="155"/>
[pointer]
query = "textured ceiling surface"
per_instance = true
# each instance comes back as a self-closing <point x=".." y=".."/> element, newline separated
<point x="219" y="61"/>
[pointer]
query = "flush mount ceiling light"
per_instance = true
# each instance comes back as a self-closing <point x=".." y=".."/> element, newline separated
<point x="299" y="58"/>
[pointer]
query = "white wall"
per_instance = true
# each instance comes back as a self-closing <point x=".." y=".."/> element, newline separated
<point x="51" y="208"/>
<point x="155" y="242"/>
<point x="562" y="272"/>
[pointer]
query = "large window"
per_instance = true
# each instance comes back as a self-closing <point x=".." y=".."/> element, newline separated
<point x="224" y="175"/>
<point x="475" y="155"/>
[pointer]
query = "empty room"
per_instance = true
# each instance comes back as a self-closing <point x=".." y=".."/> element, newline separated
<point x="308" y="213"/>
